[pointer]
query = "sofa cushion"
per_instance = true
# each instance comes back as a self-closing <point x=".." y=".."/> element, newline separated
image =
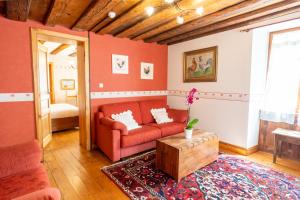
<point x="141" y="135"/>
<point x="19" y="157"/>
<point x="44" y="194"/>
<point x="167" y="129"/>
<point x="160" y="115"/>
<point x="127" y="119"/>
<point x="116" y="108"/>
<point x="179" y="116"/>
<point x="23" y="183"/>
<point x="146" y="107"/>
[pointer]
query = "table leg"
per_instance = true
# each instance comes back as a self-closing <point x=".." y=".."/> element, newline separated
<point x="279" y="148"/>
<point x="275" y="149"/>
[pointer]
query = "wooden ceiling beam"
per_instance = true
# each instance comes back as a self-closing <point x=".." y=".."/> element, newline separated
<point x="2" y="8"/>
<point x="56" y="10"/>
<point x="171" y="29"/>
<point x="217" y="28"/>
<point x="133" y="16"/>
<point x="119" y="9"/>
<point x="95" y="13"/>
<point x="163" y="17"/>
<point x="66" y="12"/>
<point x="18" y="9"/>
<point x="39" y="10"/>
<point x="73" y="54"/>
<point x="59" y="49"/>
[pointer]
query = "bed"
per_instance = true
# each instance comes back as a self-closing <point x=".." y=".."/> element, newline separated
<point x="64" y="116"/>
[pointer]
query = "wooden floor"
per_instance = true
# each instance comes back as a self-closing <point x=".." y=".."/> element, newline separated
<point x="76" y="172"/>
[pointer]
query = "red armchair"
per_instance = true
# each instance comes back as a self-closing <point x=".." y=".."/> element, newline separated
<point x="117" y="142"/>
<point x="22" y="176"/>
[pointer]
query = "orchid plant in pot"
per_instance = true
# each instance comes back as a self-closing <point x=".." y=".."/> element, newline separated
<point x="191" y="97"/>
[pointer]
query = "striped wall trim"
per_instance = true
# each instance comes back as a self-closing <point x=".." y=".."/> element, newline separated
<point x="122" y="94"/>
<point x="16" y="97"/>
<point x="242" y="97"/>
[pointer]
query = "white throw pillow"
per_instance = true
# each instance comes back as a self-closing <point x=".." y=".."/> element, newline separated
<point x="160" y="115"/>
<point x="127" y="119"/>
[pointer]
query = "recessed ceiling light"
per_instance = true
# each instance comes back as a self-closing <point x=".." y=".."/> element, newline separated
<point x="149" y="10"/>
<point x="179" y="19"/>
<point x="112" y="14"/>
<point x="200" y="10"/>
<point x="169" y="1"/>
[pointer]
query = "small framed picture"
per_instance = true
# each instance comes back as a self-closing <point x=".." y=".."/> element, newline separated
<point x="147" y="70"/>
<point x="119" y="64"/>
<point x="67" y="84"/>
<point x="200" y="65"/>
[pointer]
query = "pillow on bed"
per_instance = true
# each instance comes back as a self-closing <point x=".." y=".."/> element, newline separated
<point x="127" y="119"/>
<point x="160" y="115"/>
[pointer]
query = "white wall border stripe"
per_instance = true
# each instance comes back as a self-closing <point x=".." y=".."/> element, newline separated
<point x="16" y="97"/>
<point x="122" y="94"/>
<point x="242" y="97"/>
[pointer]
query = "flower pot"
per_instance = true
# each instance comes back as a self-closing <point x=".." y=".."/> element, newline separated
<point x="188" y="133"/>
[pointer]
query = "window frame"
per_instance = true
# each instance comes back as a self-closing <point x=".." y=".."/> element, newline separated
<point x="271" y="36"/>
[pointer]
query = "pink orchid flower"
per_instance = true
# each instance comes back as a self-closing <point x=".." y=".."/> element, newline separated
<point x="192" y="96"/>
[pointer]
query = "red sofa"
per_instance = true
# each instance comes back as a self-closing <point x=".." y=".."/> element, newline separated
<point x="116" y="142"/>
<point x="22" y="176"/>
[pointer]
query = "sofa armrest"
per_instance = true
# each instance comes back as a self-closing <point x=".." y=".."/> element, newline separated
<point x="44" y="194"/>
<point x="179" y="116"/>
<point x="20" y="157"/>
<point x="114" y="125"/>
<point x="109" y="141"/>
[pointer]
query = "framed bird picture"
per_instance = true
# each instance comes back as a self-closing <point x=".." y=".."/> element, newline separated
<point x="119" y="64"/>
<point x="200" y="65"/>
<point x="147" y="70"/>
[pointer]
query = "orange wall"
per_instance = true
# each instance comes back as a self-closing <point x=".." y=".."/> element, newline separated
<point x="17" y="122"/>
<point x="102" y="47"/>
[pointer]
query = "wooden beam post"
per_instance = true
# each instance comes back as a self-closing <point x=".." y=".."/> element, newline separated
<point x="18" y="9"/>
<point x="59" y="49"/>
<point x="236" y="22"/>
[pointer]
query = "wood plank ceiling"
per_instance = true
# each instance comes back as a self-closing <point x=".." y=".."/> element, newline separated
<point x="162" y="26"/>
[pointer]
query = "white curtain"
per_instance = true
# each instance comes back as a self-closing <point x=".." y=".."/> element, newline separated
<point x="283" y="79"/>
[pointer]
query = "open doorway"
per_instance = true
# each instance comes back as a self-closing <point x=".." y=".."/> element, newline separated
<point x="61" y="85"/>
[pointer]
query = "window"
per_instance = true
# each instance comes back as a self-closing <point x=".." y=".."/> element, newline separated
<point x="282" y="98"/>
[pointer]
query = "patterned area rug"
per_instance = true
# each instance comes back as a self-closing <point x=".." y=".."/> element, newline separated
<point x="230" y="177"/>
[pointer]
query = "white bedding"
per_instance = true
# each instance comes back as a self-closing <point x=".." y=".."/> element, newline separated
<point x="63" y="110"/>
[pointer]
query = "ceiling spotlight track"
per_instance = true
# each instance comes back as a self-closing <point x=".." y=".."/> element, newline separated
<point x="149" y="10"/>
<point x="179" y="19"/>
<point x="112" y="14"/>
<point x="169" y="1"/>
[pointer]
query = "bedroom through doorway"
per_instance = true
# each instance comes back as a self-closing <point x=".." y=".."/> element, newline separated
<point x="61" y="82"/>
<point x="63" y="85"/>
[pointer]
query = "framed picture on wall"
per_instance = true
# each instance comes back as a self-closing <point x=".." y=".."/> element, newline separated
<point x="200" y="65"/>
<point x="119" y="64"/>
<point x="147" y="71"/>
<point x="67" y="84"/>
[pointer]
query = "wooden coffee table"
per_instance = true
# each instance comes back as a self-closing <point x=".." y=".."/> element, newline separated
<point x="180" y="157"/>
